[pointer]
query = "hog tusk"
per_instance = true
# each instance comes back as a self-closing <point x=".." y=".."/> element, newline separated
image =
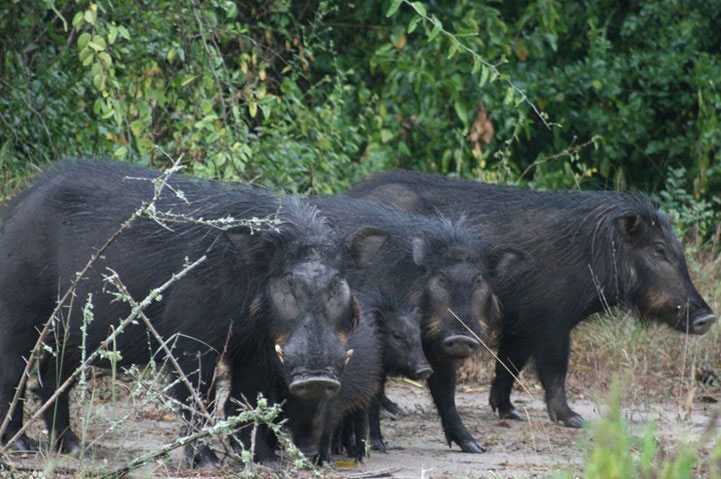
<point x="348" y="355"/>
<point x="279" y="352"/>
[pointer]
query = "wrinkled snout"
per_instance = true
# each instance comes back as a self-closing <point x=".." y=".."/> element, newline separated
<point x="314" y="388"/>
<point x="459" y="346"/>
<point x="702" y="323"/>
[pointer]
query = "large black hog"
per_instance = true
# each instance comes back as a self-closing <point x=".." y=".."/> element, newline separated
<point x="591" y="250"/>
<point x="276" y="287"/>
<point x="449" y="271"/>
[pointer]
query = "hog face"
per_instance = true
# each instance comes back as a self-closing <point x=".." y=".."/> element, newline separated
<point x="658" y="284"/>
<point x="311" y="309"/>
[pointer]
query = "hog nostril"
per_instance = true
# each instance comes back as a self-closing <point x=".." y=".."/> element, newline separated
<point x="703" y="324"/>
<point x="422" y="374"/>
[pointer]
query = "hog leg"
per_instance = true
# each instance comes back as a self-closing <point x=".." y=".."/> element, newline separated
<point x="247" y="379"/>
<point x="57" y="416"/>
<point x="10" y="374"/>
<point x="197" y="454"/>
<point x="374" y="422"/>
<point x="442" y="384"/>
<point x="513" y="353"/>
<point x="391" y="409"/>
<point x="14" y="344"/>
<point x="359" y="421"/>
<point x="552" y="365"/>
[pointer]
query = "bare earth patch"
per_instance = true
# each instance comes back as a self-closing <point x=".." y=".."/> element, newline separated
<point x="417" y="447"/>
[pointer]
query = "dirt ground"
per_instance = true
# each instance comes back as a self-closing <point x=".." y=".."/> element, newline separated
<point x="417" y="449"/>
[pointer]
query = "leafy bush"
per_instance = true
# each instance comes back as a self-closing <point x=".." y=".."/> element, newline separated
<point x="311" y="96"/>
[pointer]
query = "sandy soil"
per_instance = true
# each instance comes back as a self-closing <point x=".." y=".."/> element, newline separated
<point x="417" y="447"/>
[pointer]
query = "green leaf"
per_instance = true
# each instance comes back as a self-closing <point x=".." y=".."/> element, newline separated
<point x="207" y="106"/>
<point x="485" y="73"/>
<point x="252" y="109"/>
<point x="394" y="7"/>
<point x="83" y="40"/>
<point x="78" y="20"/>
<point x="461" y="110"/>
<point x="83" y="56"/>
<point x="121" y="152"/>
<point x="418" y="7"/>
<point x="97" y="43"/>
<point x="452" y="51"/>
<point x="510" y="93"/>
<point x="90" y="16"/>
<point x="413" y="24"/>
<point x="89" y="58"/>
<point x="136" y="127"/>
<point x="99" y="82"/>
<point x="112" y="34"/>
<point x="436" y="29"/>
<point x="105" y="59"/>
<point x="124" y="32"/>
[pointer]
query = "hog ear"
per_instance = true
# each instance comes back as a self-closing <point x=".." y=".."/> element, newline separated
<point x="419" y="251"/>
<point x="630" y="225"/>
<point x="364" y="244"/>
<point x="505" y="260"/>
<point x="247" y="241"/>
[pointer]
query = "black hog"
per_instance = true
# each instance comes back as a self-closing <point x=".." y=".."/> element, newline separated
<point x="399" y="323"/>
<point x="387" y="341"/>
<point x="591" y="251"/>
<point x="448" y="271"/>
<point x="275" y="287"/>
<point x="316" y="425"/>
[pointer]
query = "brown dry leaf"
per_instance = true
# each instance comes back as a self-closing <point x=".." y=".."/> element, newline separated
<point x="482" y="130"/>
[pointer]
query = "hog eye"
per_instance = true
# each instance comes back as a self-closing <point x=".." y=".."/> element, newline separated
<point x="478" y="281"/>
<point x="398" y="336"/>
<point x="660" y="249"/>
<point x="288" y="280"/>
<point x="441" y="280"/>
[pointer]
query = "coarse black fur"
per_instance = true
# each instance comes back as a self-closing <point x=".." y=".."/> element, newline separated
<point x="52" y="229"/>
<point x="591" y="251"/>
<point x="448" y="271"/>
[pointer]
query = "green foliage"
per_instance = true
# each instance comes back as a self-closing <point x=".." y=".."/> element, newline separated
<point x="311" y="96"/>
<point x="689" y="214"/>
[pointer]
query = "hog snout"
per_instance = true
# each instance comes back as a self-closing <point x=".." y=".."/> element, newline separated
<point x="460" y="346"/>
<point x="702" y="324"/>
<point x="314" y="388"/>
<point x="422" y="373"/>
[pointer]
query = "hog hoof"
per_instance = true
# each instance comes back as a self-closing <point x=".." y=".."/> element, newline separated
<point x="68" y="443"/>
<point x="390" y="409"/>
<point x="511" y="413"/>
<point x="200" y="456"/>
<point x="379" y="445"/>
<point x="25" y="444"/>
<point x="574" y="421"/>
<point x="472" y="447"/>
